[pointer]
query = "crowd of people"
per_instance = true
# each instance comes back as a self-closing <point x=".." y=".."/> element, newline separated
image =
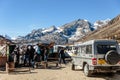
<point x="29" y="55"/>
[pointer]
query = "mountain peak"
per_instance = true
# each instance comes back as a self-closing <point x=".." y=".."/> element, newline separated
<point x="66" y="33"/>
<point x="78" y="19"/>
<point x="100" y="23"/>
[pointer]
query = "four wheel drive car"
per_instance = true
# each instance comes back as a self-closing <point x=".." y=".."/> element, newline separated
<point x="97" y="56"/>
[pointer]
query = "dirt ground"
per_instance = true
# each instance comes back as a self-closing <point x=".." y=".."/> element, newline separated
<point x="54" y="73"/>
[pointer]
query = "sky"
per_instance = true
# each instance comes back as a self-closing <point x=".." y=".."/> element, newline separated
<point x="20" y="17"/>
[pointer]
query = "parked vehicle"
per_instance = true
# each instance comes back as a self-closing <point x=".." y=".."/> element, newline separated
<point x="57" y="48"/>
<point x="97" y="56"/>
<point x="71" y="50"/>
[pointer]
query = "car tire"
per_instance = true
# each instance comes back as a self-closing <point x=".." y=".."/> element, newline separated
<point x="112" y="57"/>
<point x="73" y="67"/>
<point x="87" y="72"/>
<point x="110" y="74"/>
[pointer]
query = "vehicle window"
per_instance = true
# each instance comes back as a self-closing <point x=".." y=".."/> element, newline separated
<point x="69" y="48"/>
<point x="103" y="49"/>
<point x="79" y="50"/>
<point x="83" y="49"/>
<point x="89" y="49"/>
<point x="73" y="48"/>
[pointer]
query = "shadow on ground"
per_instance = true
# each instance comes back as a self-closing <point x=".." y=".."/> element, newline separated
<point x="107" y="76"/>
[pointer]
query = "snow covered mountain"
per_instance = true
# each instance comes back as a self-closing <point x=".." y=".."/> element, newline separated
<point x="100" y="23"/>
<point x="6" y="36"/>
<point x="67" y="33"/>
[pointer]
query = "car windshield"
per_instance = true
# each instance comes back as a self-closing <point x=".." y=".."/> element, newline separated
<point x="103" y="49"/>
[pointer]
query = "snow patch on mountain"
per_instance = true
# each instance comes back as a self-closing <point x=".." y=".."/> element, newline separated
<point x="101" y="23"/>
<point x="66" y="33"/>
<point x="49" y="30"/>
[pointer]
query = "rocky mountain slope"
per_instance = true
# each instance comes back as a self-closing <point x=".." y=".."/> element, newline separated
<point x="109" y="31"/>
<point x="67" y="33"/>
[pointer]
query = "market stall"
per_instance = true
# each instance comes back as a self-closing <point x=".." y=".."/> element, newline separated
<point x="51" y="56"/>
<point x="6" y="47"/>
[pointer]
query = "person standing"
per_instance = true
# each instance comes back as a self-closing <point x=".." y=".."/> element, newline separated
<point x="37" y="55"/>
<point x="16" y="56"/>
<point x="62" y="56"/>
<point x="31" y="55"/>
<point x="27" y="56"/>
<point x="45" y="54"/>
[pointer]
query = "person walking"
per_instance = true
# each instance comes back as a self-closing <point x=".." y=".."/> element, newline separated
<point x="62" y="56"/>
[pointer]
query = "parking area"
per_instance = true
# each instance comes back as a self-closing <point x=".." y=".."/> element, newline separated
<point x="54" y="73"/>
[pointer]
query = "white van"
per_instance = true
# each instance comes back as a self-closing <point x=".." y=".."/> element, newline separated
<point x="71" y="50"/>
<point x="97" y="56"/>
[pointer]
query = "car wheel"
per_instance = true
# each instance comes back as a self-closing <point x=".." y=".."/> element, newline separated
<point x="73" y="67"/>
<point x="87" y="72"/>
